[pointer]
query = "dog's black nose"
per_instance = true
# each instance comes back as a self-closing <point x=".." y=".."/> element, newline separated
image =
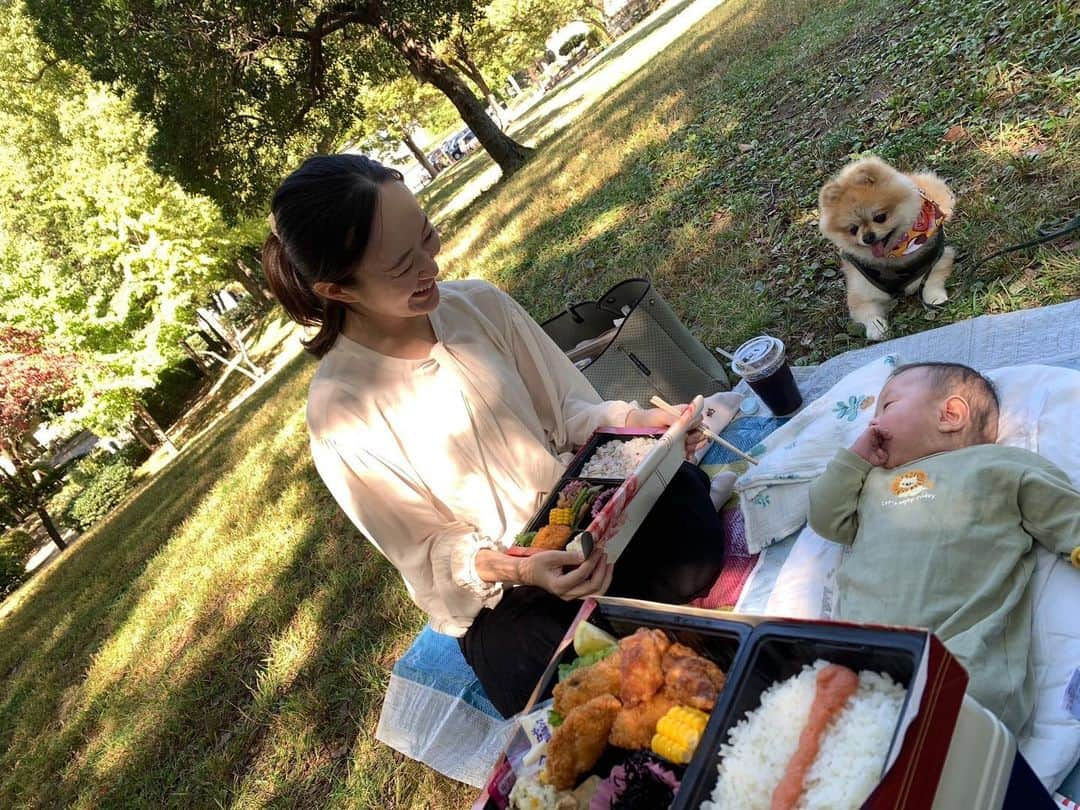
<point x="869" y="238"/>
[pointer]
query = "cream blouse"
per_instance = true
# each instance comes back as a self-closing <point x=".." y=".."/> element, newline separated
<point x="436" y="459"/>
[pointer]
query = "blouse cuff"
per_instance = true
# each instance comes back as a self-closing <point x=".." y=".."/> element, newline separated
<point x="463" y="566"/>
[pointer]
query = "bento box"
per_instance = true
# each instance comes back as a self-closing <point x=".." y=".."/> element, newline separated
<point x="907" y="666"/>
<point x="610" y="509"/>
<point x="702" y="632"/>
<point x="923" y="681"/>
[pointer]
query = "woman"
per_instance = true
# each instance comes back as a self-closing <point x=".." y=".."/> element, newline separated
<point x="440" y="412"/>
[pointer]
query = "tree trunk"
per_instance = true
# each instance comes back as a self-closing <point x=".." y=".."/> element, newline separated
<point x="425" y="64"/>
<point x="50" y="527"/>
<point x="213" y="339"/>
<point x="204" y="369"/>
<point x="137" y="433"/>
<point x="250" y="282"/>
<point x="418" y="153"/>
<point x="477" y="78"/>
<point x="155" y="428"/>
<point x="466" y="65"/>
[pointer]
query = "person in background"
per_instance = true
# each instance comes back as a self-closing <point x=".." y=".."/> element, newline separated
<point x="440" y="412"/>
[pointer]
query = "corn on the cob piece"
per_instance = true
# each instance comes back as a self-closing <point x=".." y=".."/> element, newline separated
<point x="678" y="733"/>
<point x="561" y="516"/>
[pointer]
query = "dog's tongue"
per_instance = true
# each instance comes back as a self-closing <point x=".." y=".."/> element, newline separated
<point x="879" y="249"/>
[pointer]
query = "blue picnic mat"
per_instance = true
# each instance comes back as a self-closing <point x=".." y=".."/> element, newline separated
<point x="745" y="433"/>
<point x="435" y="660"/>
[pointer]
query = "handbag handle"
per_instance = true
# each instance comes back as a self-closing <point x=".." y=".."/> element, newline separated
<point x="573" y="313"/>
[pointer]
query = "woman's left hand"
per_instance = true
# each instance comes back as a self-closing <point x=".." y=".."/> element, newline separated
<point x="656" y="417"/>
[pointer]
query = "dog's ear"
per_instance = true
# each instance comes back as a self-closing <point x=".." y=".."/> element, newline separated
<point x="866" y="177"/>
<point x="830" y="193"/>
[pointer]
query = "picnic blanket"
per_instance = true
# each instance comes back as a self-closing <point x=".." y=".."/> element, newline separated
<point x="434" y="710"/>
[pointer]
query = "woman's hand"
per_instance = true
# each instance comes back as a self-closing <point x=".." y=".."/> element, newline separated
<point x="547" y="570"/>
<point x="657" y="417"/>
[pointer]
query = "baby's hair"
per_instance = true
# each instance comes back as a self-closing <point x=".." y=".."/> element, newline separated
<point x="947" y="379"/>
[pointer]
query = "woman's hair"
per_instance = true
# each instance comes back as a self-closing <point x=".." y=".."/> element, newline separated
<point x="321" y="219"/>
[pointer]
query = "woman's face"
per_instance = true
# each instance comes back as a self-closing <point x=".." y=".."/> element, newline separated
<point x="396" y="275"/>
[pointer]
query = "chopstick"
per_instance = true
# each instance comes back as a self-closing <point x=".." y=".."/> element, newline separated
<point x="659" y="403"/>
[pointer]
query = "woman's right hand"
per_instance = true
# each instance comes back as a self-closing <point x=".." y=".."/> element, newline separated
<point x="547" y="570"/>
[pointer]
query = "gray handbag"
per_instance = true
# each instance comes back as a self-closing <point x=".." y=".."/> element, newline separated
<point x="650" y="353"/>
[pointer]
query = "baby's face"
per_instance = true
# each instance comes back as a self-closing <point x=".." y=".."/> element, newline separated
<point x="907" y="412"/>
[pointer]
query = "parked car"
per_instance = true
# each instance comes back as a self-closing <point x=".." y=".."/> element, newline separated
<point x="469" y="141"/>
<point x="440" y="158"/>
<point x="461" y="144"/>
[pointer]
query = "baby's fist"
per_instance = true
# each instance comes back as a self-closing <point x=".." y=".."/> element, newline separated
<point x="870" y="446"/>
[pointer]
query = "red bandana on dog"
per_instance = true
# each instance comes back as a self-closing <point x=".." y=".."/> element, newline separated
<point x="926" y="225"/>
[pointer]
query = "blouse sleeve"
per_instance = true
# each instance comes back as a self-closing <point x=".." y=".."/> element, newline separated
<point x="434" y="552"/>
<point x="567" y="403"/>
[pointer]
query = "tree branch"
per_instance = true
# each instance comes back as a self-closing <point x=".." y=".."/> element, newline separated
<point x="41" y="73"/>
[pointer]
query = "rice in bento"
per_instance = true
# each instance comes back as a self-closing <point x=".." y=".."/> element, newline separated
<point x="617" y="459"/>
<point x="848" y="766"/>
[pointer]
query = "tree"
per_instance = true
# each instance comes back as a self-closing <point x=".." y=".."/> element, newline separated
<point x="238" y="91"/>
<point x="511" y="34"/>
<point x="34" y="383"/>
<point x="97" y="251"/>
<point x="394" y="110"/>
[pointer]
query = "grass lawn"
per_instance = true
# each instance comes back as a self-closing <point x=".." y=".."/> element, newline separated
<point x="702" y="170"/>
<point x="224" y="638"/>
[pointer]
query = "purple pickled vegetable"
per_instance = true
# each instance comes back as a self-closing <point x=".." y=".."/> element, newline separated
<point x="601" y="499"/>
<point x="568" y="493"/>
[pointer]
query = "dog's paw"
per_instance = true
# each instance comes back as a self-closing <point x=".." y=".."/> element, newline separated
<point x="876" y="328"/>
<point x="934" y="296"/>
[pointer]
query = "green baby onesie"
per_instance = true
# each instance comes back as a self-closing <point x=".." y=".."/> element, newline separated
<point x="945" y="542"/>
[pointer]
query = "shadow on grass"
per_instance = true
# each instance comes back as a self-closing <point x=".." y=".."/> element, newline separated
<point x="702" y="171"/>
<point x="159" y="690"/>
<point x="659" y="19"/>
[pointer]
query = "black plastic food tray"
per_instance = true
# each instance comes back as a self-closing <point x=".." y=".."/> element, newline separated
<point x="778" y="650"/>
<point x="718" y="640"/>
<point x="540" y="518"/>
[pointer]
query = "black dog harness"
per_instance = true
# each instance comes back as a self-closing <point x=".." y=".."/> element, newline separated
<point x="893" y="276"/>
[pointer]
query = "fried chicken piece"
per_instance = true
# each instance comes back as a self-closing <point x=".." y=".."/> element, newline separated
<point x="642" y="655"/>
<point x="577" y="744"/>
<point x="690" y="679"/>
<point x="582" y="685"/>
<point x="635" y="725"/>
<point x="552" y="538"/>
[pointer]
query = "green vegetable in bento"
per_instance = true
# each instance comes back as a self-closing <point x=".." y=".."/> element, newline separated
<point x="525" y="539"/>
<point x="582" y="661"/>
<point x="583" y="501"/>
<point x="554" y="719"/>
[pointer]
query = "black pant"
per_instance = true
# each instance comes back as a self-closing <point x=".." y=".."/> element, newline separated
<point x="675" y="556"/>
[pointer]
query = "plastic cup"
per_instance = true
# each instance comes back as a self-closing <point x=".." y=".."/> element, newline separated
<point x="762" y="362"/>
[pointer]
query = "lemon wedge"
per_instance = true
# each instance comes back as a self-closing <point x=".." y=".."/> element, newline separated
<point x="589" y="639"/>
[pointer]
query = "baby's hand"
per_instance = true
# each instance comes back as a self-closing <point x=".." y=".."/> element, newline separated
<point x="870" y="446"/>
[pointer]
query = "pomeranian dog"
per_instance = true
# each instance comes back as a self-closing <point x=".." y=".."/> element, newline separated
<point x="889" y="229"/>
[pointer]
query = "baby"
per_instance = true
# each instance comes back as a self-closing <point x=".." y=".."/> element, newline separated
<point x="939" y="522"/>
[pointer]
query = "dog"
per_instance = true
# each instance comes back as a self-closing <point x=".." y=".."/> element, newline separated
<point x="889" y="229"/>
